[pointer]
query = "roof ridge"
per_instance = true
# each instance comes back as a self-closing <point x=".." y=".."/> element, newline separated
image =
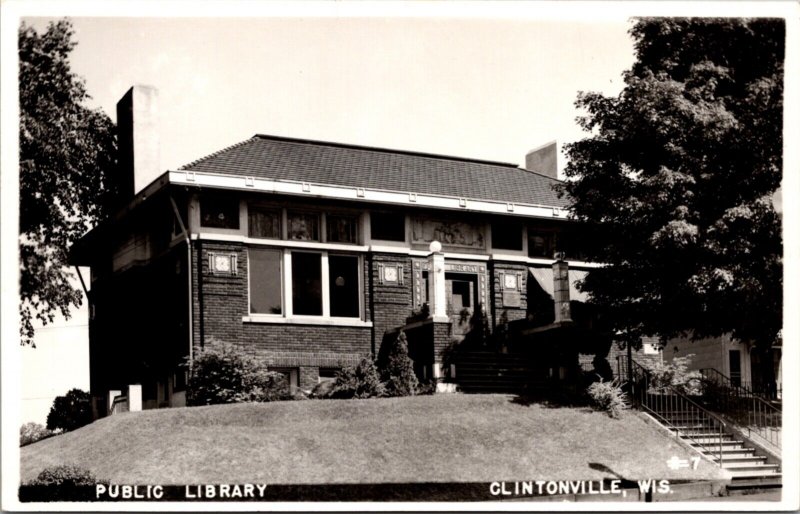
<point x="209" y="156"/>
<point x="385" y="150"/>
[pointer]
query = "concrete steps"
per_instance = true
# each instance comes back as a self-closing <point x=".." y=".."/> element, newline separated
<point x="747" y="469"/>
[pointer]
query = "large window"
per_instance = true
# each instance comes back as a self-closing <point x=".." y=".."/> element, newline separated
<point x="265" y="281"/>
<point x="307" y="283"/>
<point x="343" y="286"/>
<point x="385" y="226"/>
<point x="507" y="236"/>
<point x="319" y="283"/>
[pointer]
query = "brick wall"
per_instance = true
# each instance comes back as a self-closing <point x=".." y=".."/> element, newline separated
<point x="496" y="270"/>
<point x="391" y="303"/>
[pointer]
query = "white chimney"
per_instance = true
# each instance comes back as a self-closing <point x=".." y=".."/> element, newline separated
<point x="543" y="159"/>
<point x="138" y="137"/>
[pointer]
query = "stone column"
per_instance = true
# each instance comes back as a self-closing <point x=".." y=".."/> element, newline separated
<point x="561" y="290"/>
<point x="436" y="283"/>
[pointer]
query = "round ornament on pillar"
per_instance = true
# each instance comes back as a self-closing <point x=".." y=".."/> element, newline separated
<point x="435" y="246"/>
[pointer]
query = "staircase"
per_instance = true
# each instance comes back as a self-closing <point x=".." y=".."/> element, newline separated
<point x="707" y="432"/>
<point x="747" y="468"/>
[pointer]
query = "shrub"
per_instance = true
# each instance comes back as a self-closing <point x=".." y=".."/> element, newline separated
<point x="398" y="371"/>
<point x="323" y="389"/>
<point x="675" y="375"/>
<point x="360" y="381"/>
<point x="608" y="397"/>
<point x="64" y="476"/>
<point x="31" y="432"/>
<point x="61" y="483"/>
<point x="221" y="373"/>
<point x="70" y="411"/>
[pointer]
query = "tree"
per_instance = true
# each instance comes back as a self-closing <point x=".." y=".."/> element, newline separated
<point x="66" y="153"/>
<point x="676" y="181"/>
<point x="70" y="411"/>
<point x="398" y="372"/>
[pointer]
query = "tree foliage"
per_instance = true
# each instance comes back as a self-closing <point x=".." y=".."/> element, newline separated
<point x="66" y="153"/>
<point x="71" y="411"/>
<point x="677" y="180"/>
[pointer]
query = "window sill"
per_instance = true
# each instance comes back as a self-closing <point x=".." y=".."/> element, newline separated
<point x="306" y="320"/>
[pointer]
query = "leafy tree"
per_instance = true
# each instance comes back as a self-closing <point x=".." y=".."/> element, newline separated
<point x="66" y="153"/>
<point x="676" y="181"/>
<point x="70" y="411"/>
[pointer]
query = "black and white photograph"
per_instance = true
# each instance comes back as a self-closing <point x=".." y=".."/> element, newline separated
<point x="417" y="256"/>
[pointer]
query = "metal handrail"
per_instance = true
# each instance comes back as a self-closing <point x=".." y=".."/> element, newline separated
<point x="673" y="402"/>
<point x="726" y="381"/>
<point x="743" y="408"/>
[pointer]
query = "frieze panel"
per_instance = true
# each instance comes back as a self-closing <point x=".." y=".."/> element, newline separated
<point x="449" y="233"/>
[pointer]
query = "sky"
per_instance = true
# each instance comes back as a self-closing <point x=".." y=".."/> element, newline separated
<point x="482" y="88"/>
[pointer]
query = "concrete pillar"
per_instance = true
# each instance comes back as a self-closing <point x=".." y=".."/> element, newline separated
<point x="436" y="283"/>
<point x="561" y="290"/>
<point x="134" y="397"/>
<point x="111" y="395"/>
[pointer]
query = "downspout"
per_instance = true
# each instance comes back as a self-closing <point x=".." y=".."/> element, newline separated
<point x="83" y="284"/>
<point x="188" y="274"/>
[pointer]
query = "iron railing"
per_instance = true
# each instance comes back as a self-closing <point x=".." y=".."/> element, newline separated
<point x="675" y="410"/>
<point x="742" y="407"/>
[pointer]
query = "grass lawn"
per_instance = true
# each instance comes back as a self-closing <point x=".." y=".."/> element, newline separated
<point x="441" y="438"/>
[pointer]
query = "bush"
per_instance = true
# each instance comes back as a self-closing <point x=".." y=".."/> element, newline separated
<point x="398" y="371"/>
<point x="676" y="375"/>
<point x="64" y="476"/>
<point x="31" y="432"/>
<point x="70" y="411"/>
<point x="361" y="381"/>
<point x="61" y="483"/>
<point x="323" y="389"/>
<point x="608" y="397"/>
<point x="221" y="373"/>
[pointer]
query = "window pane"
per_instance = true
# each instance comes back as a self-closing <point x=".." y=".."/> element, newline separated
<point x="540" y="244"/>
<point x="263" y="223"/>
<point x="387" y="226"/>
<point x="265" y="281"/>
<point x="307" y="283"/>
<point x="219" y="212"/>
<point x="341" y="229"/>
<point x="507" y="236"/>
<point x="343" y="283"/>
<point x="303" y="226"/>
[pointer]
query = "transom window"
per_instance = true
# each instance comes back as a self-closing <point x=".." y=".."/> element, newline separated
<point x="541" y="244"/>
<point x="303" y="226"/>
<point x="387" y="226"/>
<point x="219" y="211"/>
<point x="264" y="223"/>
<point x="507" y="235"/>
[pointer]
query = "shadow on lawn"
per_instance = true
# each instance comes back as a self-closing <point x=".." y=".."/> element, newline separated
<point x="624" y="482"/>
<point x="553" y="400"/>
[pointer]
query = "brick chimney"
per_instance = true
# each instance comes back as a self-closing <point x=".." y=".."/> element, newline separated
<point x="138" y="137"/>
<point x="543" y="159"/>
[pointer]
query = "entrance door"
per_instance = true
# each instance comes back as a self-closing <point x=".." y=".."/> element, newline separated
<point x="462" y="295"/>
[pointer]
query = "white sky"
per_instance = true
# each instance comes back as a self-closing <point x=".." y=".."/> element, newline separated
<point x="482" y="88"/>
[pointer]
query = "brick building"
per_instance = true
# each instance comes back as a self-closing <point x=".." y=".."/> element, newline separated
<point x="307" y="253"/>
